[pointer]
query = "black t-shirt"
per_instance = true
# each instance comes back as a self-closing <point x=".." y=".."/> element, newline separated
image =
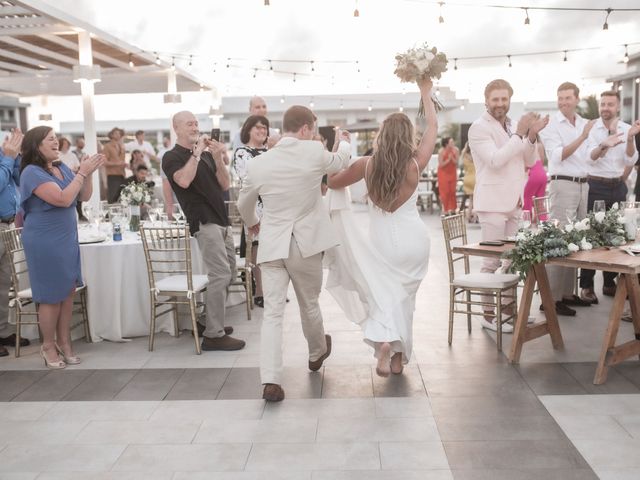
<point x="203" y="201"/>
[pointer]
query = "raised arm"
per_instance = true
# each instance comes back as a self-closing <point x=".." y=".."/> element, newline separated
<point x="348" y="176"/>
<point x="428" y="140"/>
<point x="51" y="193"/>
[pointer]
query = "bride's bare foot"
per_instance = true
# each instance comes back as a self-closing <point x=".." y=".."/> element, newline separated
<point x="396" y="363"/>
<point x="382" y="368"/>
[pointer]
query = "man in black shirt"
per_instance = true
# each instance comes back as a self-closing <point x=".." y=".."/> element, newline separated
<point x="196" y="171"/>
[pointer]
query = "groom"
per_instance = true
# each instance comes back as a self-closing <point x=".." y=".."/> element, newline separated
<point x="294" y="231"/>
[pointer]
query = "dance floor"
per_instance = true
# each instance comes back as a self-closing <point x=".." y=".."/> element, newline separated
<point x="457" y="412"/>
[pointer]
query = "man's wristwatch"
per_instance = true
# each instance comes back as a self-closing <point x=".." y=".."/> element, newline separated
<point x="197" y="157"/>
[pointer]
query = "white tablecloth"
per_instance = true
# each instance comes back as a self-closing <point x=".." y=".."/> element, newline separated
<point x="118" y="288"/>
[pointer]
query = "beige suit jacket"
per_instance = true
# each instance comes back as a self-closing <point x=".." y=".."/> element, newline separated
<point x="500" y="161"/>
<point x="287" y="178"/>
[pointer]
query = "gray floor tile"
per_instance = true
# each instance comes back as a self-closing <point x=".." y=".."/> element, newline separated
<point x="241" y="383"/>
<point x="610" y="453"/>
<point x="508" y="405"/>
<point x="443" y="474"/>
<point x="300" y="382"/>
<point x="60" y="458"/>
<point x="528" y="474"/>
<point x="461" y="428"/>
<point x="281" y="430"/>
<point x="462" y="387"/>
<point x="101" y="385"/>
<point x="377" y="430"/>
<point x="407" y="384"/>
<point x="55" y="385"/>
<point x="106" y="476"/>
<point x="347" y="382"/>
<point x="616" y="383"/>
<point x="199" y="384"/>
<point x="152" y="384"/>
<point x="514" y="454"/>
<point x="313" y="456"/>
<point x="550" y="379"/>
<point x="16" y="382"/>
<point x="240" y="476"/>
<point x="408" y="407"/>
<point x="630" y="371"/>
<point x="420" y="455"/>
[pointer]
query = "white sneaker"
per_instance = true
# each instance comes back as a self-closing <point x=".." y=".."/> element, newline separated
<point x="506" y="327"/>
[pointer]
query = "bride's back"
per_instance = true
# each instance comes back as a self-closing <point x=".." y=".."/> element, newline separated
<point x="390" y="174"/>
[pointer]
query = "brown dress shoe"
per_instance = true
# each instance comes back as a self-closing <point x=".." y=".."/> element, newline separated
<point x="3" y="351"/>
<point x="609" y="291"/>
<point x="227" y="330"/>
<point x="588" y="295"/>
<point x="10" y="341"/>
<point x="315" y="365"/>
<point x="222" y="343"/>
<point x="272" y="392"/>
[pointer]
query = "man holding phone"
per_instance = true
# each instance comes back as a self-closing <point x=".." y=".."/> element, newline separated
<point x="197" y="173"/>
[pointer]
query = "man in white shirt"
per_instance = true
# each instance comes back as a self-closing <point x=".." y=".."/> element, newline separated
<point x="145" y="147"/>
<point x="565" y="142"/>
<point x="612" y="152"/>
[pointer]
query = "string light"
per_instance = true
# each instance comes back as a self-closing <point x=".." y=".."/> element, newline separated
<point x="526" y="20"/>
<point x="626" y="54"/>
<point x="358" y="66"/>
<point x="311" y="104"/>
<point x="228" y="60"/>
<point x="370" y="107"/>
<point x="509" y="57"/>
<point x="455" y="63"/>
<point x="266" y="3"/>
<point x="190" y="60"/>
<point x="638" y="80"/>
<point x="131" y="64"/>
<point x="294" y="77"/>
<point x="565" y="56"/>
<point x="173" y="63"/>
<point x="606" y="25"/>
<point x="441" y="18"/>
<point x="157" y="58"/>
<point x="356" y="12"/>
<point x="255" y="72"/>
<point x="341" y="104"/>
<point x="270" y="66"/>
<point x="282" y="99"/>
<point x="313" y="69"/>
<point x="401" y="109"/>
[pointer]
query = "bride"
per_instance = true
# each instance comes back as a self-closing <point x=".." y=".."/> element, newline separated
<point x="374" y="278"/>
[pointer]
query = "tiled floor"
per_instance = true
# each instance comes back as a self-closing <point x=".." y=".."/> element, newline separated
<point x="457" y="412"/>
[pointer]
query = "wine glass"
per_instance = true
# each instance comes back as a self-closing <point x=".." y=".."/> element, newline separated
<point x="572" y="214"/>
<point x="599" y="206"/>
<point x="88" y="212"/>
<point x="525" y="219"/>
<point x="178" y="214"/>
<point x="153" y="216"/>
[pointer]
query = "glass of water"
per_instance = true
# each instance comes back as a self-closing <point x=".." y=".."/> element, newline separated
<point x="599" y="206"/>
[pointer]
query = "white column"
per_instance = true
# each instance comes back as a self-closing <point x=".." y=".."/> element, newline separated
<point x="172" y="88"/>
<point x="85" y="57"/>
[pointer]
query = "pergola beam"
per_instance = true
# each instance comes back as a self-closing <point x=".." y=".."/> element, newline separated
<point x="40" y="51"/>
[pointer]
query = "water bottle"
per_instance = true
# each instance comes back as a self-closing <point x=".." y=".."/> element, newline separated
<point x="117" y="232"/>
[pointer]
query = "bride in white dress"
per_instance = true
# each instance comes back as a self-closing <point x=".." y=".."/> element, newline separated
<point x="374" y="278"/>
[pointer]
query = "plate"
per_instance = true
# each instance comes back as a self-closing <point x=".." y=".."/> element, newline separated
<point x="87" y="241"/>
<point x="510" y="239"/>
<point x="635" y="247"/>
<point x="92" y="237"/>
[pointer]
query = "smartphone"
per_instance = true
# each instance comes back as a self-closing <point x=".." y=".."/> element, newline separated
<point x="492" y="243"/>
<point x="215" y="134"/>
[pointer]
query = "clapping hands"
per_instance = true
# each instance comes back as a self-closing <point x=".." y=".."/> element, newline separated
<point x="531" y="123"/>
<point x="13" y="143"/>
<point x="89" y="164"/>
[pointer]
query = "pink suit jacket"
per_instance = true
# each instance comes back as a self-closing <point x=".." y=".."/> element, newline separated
<point x="500" y="161"/>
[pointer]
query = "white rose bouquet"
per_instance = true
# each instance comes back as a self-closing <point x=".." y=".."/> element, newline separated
<point x="135" y="194"/>
<point x="418" y="63"/>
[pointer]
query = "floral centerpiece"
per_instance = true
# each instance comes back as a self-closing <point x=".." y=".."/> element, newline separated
<point x="133" y="195"/>
<point x="421" y="62"/>
<point x="550" y="240"/>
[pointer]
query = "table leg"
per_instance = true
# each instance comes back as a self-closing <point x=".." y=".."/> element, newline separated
<point x="549" y="306"/>
<point x="523" y="315"/>
<point x="612" y="330"/>
<point x="633" y="288"/>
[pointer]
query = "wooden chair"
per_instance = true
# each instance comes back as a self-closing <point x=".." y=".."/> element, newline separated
<point x="244" y="266"/>
<point x="466" y="287"/>
<point x="21" y="299"/>
<point x="167" y="251"/>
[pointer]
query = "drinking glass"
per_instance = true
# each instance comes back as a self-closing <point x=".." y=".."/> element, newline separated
<point x="153" y="215"/>
<point x="571" y="214"/>
<point x="164" y="220"/>
<point x="88" y="211"/>
<point x="525" y="219"/>
<point x="178" y="214"/>
<point x="599" y="206"/>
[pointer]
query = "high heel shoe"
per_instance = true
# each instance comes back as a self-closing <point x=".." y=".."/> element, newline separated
<point x="52" y="365"/>
<point x="72" y="360"/>
<point x="397" y="358"/>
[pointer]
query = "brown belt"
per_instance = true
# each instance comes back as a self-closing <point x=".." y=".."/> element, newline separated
<point x="570" y="179"/>
<point x="607" y="180"/>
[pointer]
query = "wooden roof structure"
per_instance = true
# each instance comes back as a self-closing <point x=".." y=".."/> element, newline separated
<point x="39" y="48"/>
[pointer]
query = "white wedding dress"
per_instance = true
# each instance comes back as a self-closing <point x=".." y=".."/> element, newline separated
<point x="375" y="277"/>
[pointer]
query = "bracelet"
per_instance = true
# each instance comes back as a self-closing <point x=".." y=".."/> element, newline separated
<point x="82" y="175"/>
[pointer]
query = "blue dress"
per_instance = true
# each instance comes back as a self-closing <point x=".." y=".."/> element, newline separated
<point x="50" y="238"/>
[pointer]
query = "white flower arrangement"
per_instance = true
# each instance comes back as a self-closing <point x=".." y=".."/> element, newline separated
<point x="135" y="194"/>
<point x="419" y="63"/>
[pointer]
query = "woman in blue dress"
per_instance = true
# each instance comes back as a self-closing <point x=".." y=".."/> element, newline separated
<point x="49" y="191"/>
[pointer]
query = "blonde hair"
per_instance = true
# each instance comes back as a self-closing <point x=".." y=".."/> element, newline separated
<point x="395" y="147"/>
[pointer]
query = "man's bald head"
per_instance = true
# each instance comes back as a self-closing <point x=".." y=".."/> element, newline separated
<point x="186" y="127"/>
<point x="257" y="106"/>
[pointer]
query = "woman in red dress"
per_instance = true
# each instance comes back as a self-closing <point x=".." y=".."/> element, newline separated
<point x="447" y="175"/>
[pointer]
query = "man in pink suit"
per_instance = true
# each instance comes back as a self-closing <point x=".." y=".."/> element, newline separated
<point x="501" y="154"/>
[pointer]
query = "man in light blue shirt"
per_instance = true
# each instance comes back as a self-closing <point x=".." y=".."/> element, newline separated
<point x="9" y="202"/>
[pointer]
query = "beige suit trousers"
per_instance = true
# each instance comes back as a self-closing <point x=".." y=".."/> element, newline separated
<point x="306" y="276"/>
<point x="565" y="195"/>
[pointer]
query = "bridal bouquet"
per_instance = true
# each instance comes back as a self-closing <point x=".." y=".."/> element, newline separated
<point x="418" y="63"/>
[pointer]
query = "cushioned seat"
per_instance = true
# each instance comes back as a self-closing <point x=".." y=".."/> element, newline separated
<point x="178" y="283"/>
<point x="486" y="280"/>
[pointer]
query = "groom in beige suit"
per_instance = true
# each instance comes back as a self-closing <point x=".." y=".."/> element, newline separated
<point x="294" y="231"/>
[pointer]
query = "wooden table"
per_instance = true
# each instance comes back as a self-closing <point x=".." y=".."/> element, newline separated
<point x="611" y="260"/>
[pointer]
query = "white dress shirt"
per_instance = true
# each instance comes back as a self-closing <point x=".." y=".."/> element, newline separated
<point x="613" y="163"/>
<point x="146" y="148"/>
<point x="557" y="135"/>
